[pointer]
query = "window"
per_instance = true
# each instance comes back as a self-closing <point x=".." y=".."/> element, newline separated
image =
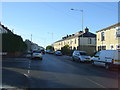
<point x="99" y="48"/>
<point x="117" y="46"/>
<point x="117" y="33"/>
<point x="111" y="46"/>
<point x="75" y="41"/>
<point x="103" y="47"/>
<point x="68" y="42"/>
<point x="89" y="41"/>
<point x="74" y="48"/>
<point x="102" y="36"/>
<point x="71" y="42"/>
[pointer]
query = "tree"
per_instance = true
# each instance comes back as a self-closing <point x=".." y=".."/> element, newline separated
<point x="49" y="47"/>
<point x="66" y="50"/>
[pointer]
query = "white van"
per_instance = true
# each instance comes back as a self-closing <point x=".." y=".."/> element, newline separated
<point x="107" y="58"/>
<point x="80" y="55"/>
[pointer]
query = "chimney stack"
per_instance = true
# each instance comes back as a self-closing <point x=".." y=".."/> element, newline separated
<point x="86" y="30"/>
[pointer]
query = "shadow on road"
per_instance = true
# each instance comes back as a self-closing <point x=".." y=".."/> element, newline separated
<point x="46" y="83"/>
<point x="12" y="79"/>
<point x="58" y="65"/>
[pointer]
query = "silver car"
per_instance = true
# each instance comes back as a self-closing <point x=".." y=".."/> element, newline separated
<point x="80" y="55"/>
<point x="37" y="54"/>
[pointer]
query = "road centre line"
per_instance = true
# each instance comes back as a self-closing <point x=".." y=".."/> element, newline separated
<point x="29" y="64"/>
<point x="29" y="67"/>
<point x="28" y="71"/>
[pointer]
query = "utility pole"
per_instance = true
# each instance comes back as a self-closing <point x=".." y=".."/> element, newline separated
<point x="31" y="43"/>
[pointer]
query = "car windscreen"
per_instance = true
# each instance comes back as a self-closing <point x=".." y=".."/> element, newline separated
<point x="83" y="53"/>
<point x="58" y="51"/>
<point x="97" y="54"/>
<point x="36" y="51"/>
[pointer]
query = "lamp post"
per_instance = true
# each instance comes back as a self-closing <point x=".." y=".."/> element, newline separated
<point x="82" y="16"/>
<point x="82" y="19"/>
<point x="31" y="45"/>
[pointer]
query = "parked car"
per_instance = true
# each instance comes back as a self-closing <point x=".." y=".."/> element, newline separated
<point x="42" y="51"/>
<point x="49" y="51"/>
<point x="36" y="54"/>
<point x="28" y="55"/>
<point x="107" y="58"/>
<point x="80" y="55"/>
<point x="59" y="53"/>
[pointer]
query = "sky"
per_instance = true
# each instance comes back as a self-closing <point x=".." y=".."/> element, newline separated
<point x="50" y="21"/>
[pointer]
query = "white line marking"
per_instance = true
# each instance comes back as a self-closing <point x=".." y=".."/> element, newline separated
<point x="96" y="83"/>
<point x="29" y="66"/>
<point x="28" y="71"/>
<point x="26" y="75"/>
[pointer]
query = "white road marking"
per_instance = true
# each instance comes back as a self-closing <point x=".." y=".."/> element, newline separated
<point x="28" y="71"/>
<point x="29" y="67"/>
<point x="6" y="87"/>
<point x="96" y="83"/>
<point x="26" y="75"/>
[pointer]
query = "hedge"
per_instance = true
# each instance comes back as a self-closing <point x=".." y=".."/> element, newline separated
<point x="12" y="43"/>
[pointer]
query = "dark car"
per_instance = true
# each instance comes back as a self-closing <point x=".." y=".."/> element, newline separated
<point x="42" y="51"/>
<point x="49" y="51"/>
<point x="59" y="53"/>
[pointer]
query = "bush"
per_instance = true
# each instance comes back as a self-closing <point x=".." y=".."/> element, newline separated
<point x="49" y="47"/>
<point x="66" y="50"/>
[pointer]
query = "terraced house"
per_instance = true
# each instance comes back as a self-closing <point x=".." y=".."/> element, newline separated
<point x="109" y="38"/>
<point x="84" y="41"/>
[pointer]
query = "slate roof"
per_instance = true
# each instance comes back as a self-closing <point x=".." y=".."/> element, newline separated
<point x="115" y="25"/>
<point x="88" y="34"/>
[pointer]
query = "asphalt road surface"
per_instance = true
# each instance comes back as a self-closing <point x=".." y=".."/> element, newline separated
<point x="55" y="72"/>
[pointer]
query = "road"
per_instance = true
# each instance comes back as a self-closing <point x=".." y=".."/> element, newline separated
<point x="55" y="72"/>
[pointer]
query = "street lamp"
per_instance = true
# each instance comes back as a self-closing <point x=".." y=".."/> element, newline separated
<point x="82" y="18"/>
<point x="31" y="45"/>
<point x="82" y="15"/>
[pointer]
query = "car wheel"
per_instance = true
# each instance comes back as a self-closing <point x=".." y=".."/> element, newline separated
<point x="73" y="59"/>
<point x="107" y="66"/>
<point x="92" y="62"/>
<point x="80" y="60"/>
